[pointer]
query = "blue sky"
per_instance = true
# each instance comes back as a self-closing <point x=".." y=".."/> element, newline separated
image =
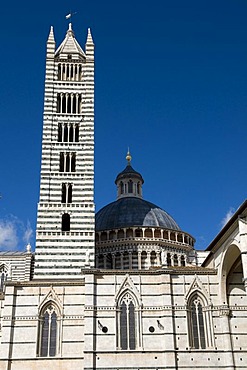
<point x="171" y="84"/>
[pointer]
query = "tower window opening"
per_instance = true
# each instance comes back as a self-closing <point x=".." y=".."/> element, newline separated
<point x="74" y="106"/>
<point x="68" y="132"/>
<point x="67" y="162"/>
<point x="71" y="133"/>
<point x="73" y="162"/>
<point x="138" y="188"/>
<point x="61" y="164"/>
<point x="63" y="106"/>
<point x="59" y="136"/>
<point x="65" y="222"/>
<point x="130" y="186"/>
<point x="121" y="187"/>
<point x="76" y="138"/>
<point x="66" y="193"/>
<point x="59" y="72"/>
<point x="65" y="133"/>
<point x="68" y="103"/>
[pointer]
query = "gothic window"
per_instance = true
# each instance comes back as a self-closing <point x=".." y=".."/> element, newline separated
<point x="3" y="278"/>
<point x="127" y="323"/>
<point x="65" y="222"/>
<point x="67" y="162"/>
<point x="197" y="322"/>
<point x="48" y="331"/>
<point x="66" y="193"/>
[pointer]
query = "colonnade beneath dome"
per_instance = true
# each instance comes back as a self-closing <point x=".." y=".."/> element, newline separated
<point x="144" y="232"/>
<point x="139" y="260"/>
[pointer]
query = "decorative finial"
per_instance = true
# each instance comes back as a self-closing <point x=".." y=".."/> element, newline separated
<point x="128" y="157"/>
<point x="28" y="248"/>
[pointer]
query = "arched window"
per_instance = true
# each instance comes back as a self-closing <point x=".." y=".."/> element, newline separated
<point x="3" y="278"/>
<point x="130" y="186"/>
<point x="121" y="188"/>
<point x="67" y="162"/>
<point x="59" y="136"/>
<point x="66" y="193"/>
<point x="169" y="261"/>
<point x="138" y="188"/>
<point x="197" y="322"/>
<point x="48" y="331"/>
<point x="65" y="222"/>
<point x="127" y="323"/>
<point x="76" y="138"/>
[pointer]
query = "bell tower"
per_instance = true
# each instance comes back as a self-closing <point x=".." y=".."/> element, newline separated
<point x="65" y="221"/>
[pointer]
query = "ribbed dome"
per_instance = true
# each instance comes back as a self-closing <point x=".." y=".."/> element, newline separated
<point x="131" y="211"/>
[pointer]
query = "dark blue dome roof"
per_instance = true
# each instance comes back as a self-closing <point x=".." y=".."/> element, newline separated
<point x="132" y="211"/>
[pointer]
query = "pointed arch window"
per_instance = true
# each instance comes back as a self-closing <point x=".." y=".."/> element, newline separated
<point x="128" y="331"/>
<point x="199" y="323"/>
<point x="48" y="331"/>
<point x="3" y="278"/>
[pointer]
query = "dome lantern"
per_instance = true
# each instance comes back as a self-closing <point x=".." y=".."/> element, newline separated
<point x="129" y="182"/>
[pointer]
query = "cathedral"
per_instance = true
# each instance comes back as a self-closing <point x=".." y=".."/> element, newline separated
<point x="122" y="289"/>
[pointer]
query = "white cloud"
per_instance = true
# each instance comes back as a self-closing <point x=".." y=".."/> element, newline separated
<point x="8" y="235"/>
<point x="227" y="217"/>
<point x="28" y="233"/>
<point x="13" y="232"/>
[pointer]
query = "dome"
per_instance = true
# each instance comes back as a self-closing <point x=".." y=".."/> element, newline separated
<point x="132" y="211"/>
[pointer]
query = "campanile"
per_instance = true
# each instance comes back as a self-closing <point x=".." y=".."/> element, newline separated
<point x="65" y="221"/>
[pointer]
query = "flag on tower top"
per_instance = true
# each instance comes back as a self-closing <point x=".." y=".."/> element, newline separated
<point x="68" y="16"/>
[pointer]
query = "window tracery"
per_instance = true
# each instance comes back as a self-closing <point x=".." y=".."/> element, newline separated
<point x="199" y="322"/>
<point x="127" y="323"/>
<point x="3" y="278"/>
<point x="49" y="331"/>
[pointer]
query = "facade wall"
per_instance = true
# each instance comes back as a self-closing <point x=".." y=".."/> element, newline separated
<point x="20" y="321"/>
<point x="88" y="306"/>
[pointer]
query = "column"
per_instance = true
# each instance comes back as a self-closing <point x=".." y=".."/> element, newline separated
<point x="139" y="260"/>
<point x="121" y="261"/>
<point x="130" y="260"/>
<point x="105" y="260"/>
<point x="113" y="261"/>
<point x="149" y="259"/>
